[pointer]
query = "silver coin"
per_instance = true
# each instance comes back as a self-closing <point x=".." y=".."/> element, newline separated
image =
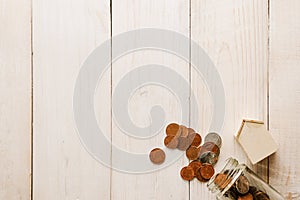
<point x="214" y="137"/>
<point x="209" y="157"/>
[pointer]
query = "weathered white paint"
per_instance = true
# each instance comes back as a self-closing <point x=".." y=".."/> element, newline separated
<point x="135" y="14"/>
<point x="15" y="100"/>
<point x="65" y="32"/>
<point x="235" y="34"/>
<point x="285" y="95"/>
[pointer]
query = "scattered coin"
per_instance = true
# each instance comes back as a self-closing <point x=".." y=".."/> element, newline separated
<point x="173" y="129"/>
<point x="197" y="140"/>
<point x="192" y="153"/>
<point x="210" y="147"/>
<point x="191" y="137"/>
<point x="199" y="176"/>
<point x="171" y="142"/>
<point x="207" y="171"/>
<point x="184" y="131"/>
<point x="183" y="143"/>
<point x="190" y="130"/>
<point x="157" y="156"/>
<point x="187" y="173"/>
<point x="246" y="197"/>
<point x="208" y="157"/>
<point x="214" y="138"/>
<point x="242" y="185"/>
<point x="195" y="165"/>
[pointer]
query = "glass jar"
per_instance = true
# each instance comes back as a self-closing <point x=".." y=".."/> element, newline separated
<point x="238" y="182"/>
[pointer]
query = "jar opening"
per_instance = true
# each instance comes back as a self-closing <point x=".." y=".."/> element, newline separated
<point x="222" y="181"/>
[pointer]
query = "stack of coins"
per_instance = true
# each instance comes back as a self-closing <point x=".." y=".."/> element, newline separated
<point x="181" y="137"/>
<point x="241" y="189"/>
<point x="210" y="150"/>
<point x="202" y="157"/>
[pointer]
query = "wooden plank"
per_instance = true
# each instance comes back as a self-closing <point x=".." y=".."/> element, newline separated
<point x="65" y="33"/>
<point x="15" y="89"/>
<point x="131" y="15"/>
<point x="285" y="96"/>
<point x="234" y="35"/>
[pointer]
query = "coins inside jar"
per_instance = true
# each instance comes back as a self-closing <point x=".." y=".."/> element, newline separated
<point x="246" y="197"/>
<point x="260" y="195"/>
<point x="242" y="185"/>
<point x="221" y="180"/>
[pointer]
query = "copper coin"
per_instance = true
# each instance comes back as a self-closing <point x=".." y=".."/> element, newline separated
<point x="183" y="143"/>
<point x="157" y="156"/>
<point x="197" y="140"/>
<point x="199" y="176"/>
<point x="184" y="132"/>
<point x="242" y="185"/>
<point x="222" y="180"/>
<point x="187" y="173"/>
<point x="260" y="195"/>
<point x="171" y="142"/>
<point x="252" y="189"/>
<point x="190" y="130"/>
<point x="192" y="153"/>
<point x="207" y="171"/>
<point x="246" y="197"/>
<point x="229" y="194"/>
<point x="214" y="138"/>
<point x="191" y="137"/>
<point x="195" y="165"/>
<point x="210" y="147"/>
<point x="173" y="129"/>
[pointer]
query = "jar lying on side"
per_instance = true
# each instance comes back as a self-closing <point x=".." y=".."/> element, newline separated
<point x="238" y="182"/>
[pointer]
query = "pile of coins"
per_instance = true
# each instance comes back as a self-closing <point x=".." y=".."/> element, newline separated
<point x="241" y="189"/>
<point x="202" y="158"/>
<point x="181" y="137"/>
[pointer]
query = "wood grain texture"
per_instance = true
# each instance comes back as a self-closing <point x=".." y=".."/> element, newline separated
<point x="285" y="96"/>
<point x="135" y="14"/>
<point x="234" y="35"/>
<point x="65" y="32"/>
<point x="15" y="90"/>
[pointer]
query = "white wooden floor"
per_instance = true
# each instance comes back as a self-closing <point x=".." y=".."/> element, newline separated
<point x="254" y="45"/>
